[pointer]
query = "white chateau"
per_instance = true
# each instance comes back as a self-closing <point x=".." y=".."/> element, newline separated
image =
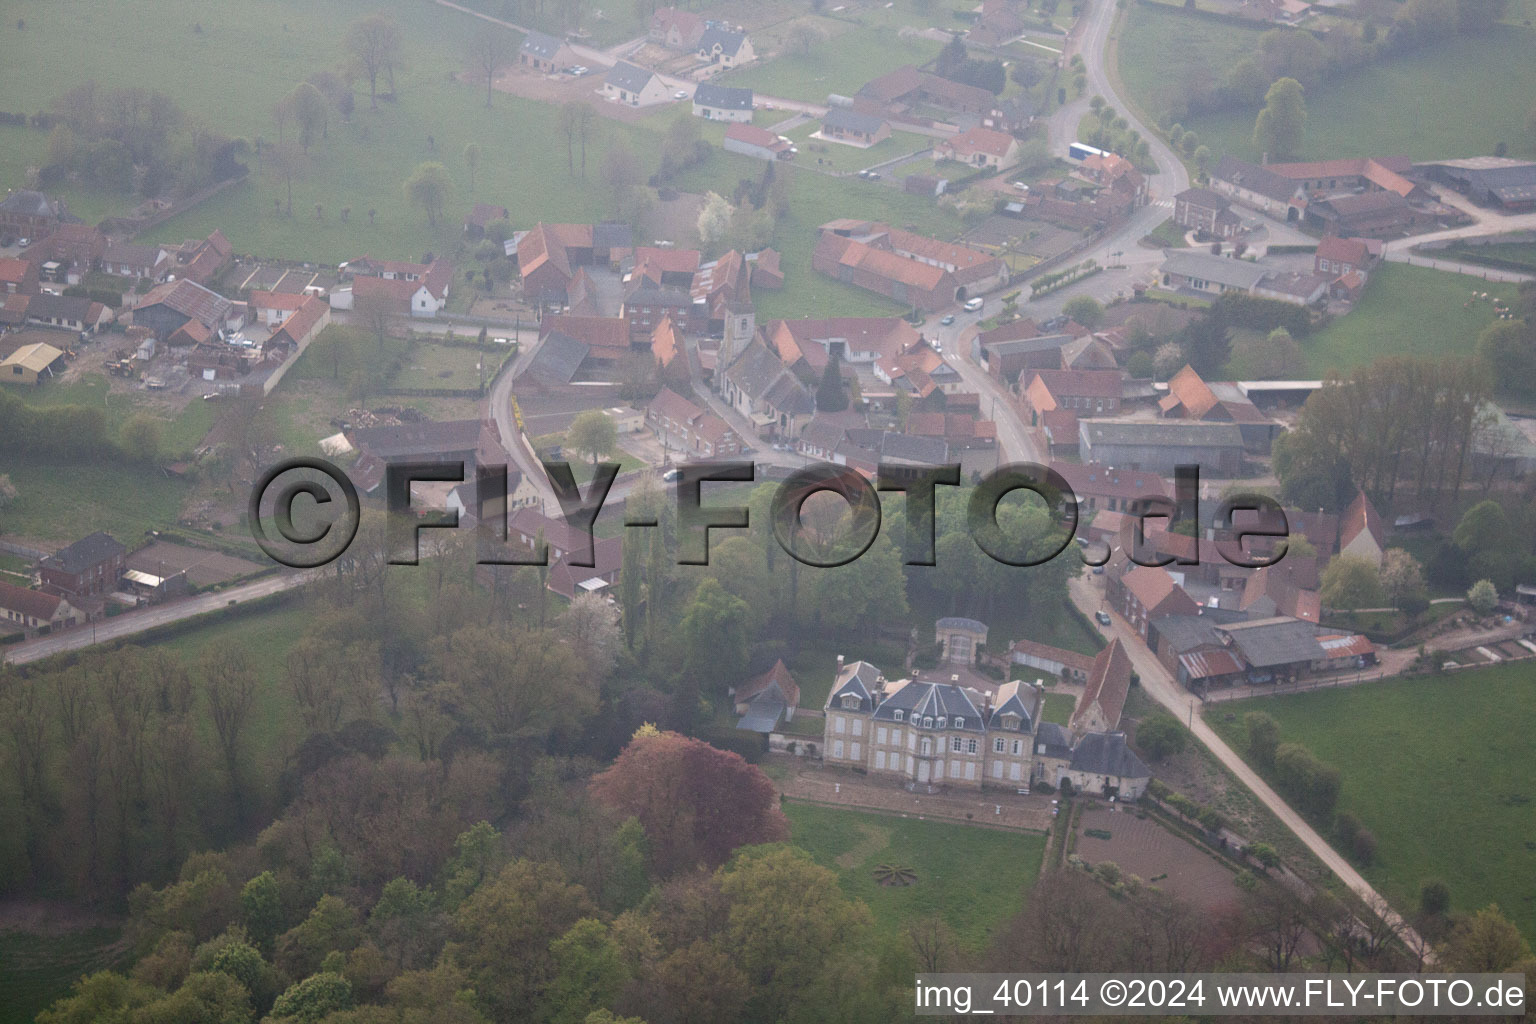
<point x="934" y="734"/>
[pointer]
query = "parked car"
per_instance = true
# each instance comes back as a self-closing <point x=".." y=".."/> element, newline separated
<point x="874" y="175"/>
<point x="681" y="94"/>
<point x="1102" y="618"/>
<point x="671" y="475"/>
<point x="948" y="320"/>
<point x="973" y="305"/>
<point x="1021" y="186"/>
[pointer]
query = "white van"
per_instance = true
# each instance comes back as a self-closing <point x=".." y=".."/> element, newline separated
<point x="972" y="305"/>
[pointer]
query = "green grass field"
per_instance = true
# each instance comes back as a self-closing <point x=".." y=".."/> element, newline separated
<point x="852" y="158"/>
<point x="975" y="877"/>
<point x="1058" y="708"/>
<point x="1406" y="311"/>
<point x="179" y="434"/>
<point x="447" y="367"/>
<point x="1520" y="255"/>
<point x="1461" y="98"/>
<point x="840" y="63"/>
<point x="63" y="504"/>
<point x="1439" y="769"/>
<point x="41" y="968"/>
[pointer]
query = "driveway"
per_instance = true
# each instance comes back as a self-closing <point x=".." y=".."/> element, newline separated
<point x="1160" y="686"/>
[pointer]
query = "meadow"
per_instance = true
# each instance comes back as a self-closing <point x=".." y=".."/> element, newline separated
<point x="1438" y="769"/>
<point x="1406" y="311"/>
<point x="841" y="62"/>
<point x="1460" y="98"/>
<point x="975" y="878"/>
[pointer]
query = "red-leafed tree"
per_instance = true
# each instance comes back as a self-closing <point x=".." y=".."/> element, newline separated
<point x="696" y="803"/>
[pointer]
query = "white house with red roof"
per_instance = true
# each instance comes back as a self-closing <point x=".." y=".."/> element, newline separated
<point x="979" y="147"/>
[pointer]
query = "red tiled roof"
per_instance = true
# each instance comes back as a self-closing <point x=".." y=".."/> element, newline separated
<point x="1343" y="250"/>
<point x="595" y="331"/>
<point x="755" y="136"/>
<point x="31" y="603"/>
<point x="1093" y="478"/>
<point x="981" y="140"/>
<point x="1186" y="388"/>
<point x="780" y="674"/>
<point x="1109" y="683"/>
<point x="276" y="300"/>
<point x="1071" y="659"/>
<point x="298" y="325"/>
<point x="1080" y="383"/>
<point x="13" y="271"/>
<point x="1151" y="586"/>
<point x="1360" y="517"/>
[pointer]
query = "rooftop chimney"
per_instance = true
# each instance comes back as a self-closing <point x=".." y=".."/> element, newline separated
<point x="839" y="662"/>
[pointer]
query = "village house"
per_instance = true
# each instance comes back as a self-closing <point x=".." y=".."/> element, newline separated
<point x="30" y="612"/>
<point x="565" y="548"/>
<point x="401" y="289"/>
<point x="1207" y="212"/>
<point x="1259" y="188"/>
<point x="85" y="570"/>
<point x="722" y="103"/>
<point x="634" y="86"/>
<point x="806" y="344"/>
<point x="979" y="147"/>
<point x="31" y="215"/>
<point x="128" y="259"/>
<point x="17" y="277"/>
<point x="270" y="309"/>
<point x="202" y="260"/>
<point x="1145" y="593"/>
<point x="727" y="47"/>
<point x="675" y="29"/>
<point x="545" y="53"/>
<point x="1337" y="256"/>
<point x="1083" y="392"/>
<point x="64" y="312"/>
<point x="1009" y="351"/>
<point x="910" y="268"/>
<point x="853" y="128"/>
<point x="67" y="254"/>
<point x="604" y="339"/>
<point x="1108" y="488"/>
<point x="693" y="432"/>
<point x="1204" y="274"/>
<point x="1116" y="174"/>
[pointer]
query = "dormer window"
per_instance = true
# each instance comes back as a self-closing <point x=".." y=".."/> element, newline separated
<point x="928" y="723"/>
<point x="1010" y="721"/>
<point x="959" y="722"/>
<point x="850" y="701"/>
<point x="898" y="715"/>
<point x="941" y="721"/>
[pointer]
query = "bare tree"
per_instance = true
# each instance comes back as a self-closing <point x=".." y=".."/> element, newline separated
<point x="489" y="51"/>
<point x="374" y="45"/>
<point x="933" y="942"/>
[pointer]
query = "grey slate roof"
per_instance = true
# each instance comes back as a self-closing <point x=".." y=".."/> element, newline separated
<point x="84" y="553"/>
<point x="926" y="451"/>
<point x="763" y="376"/>
<point x="1040" y="343"/>
<point x="1230" y="272"/>
<point x="1106" y="753"/>
<point x="540" y="45"/>
<point x="1166" y="433"/>
<point x="847" y="120"/>
<point x="728" y="40"/>
<point x="28" y="202"/>
<point x="1254" y="178"/>
<point x="858" y="678"/>
<point x="960" y="622"/>
<point x="1053" y="740"/>
<point x="762" y="714"/>
<point x="611" y="234"/>
<point x="558" y="358"/>
<point x="722" y="97"/>
<point x="1016" y="705"/>
<point x="919" y="701"/>
<point x="628" y="77"/>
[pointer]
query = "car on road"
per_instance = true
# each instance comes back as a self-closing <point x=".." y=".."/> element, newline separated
<point x="681" y="94"/>
<point x="973" y="305"/>
<point x="1102" y="618"/>
<point x="578" y="70"/>
<point x="938" y="346"/>
<point x="1021" y="186"/>
<point x="671" y="475"/>
<point x="501" y="341"/>
<point x="947" y="321"/>
<point x="874" y="175"/>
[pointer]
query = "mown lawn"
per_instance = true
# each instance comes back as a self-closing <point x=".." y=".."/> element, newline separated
<point x="840" y="63"/>
<point x="1439" y="769"/>
<point x="976" y="878"/>
<point x="1058" y="708"/>
<point x="1406" y="311"/>
<point x="816" y="153"/>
